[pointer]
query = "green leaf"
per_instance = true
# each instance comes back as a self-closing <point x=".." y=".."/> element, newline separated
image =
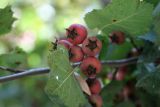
<point x="150" y="82"/>
<point x="147" y="100"/>
<point x="62" y="88"/>
<point x="146" y="60"/>
<point x="6" y="20"/>
<point x="154" y="2"/>
<point x="14" y="59"/>
<point x="109" y="91"/>
<point x="131" y="16"/>
<point x="151" y="37"/>
<point x="156" y="11"/>
<point x="156" y="23"/>
<point x="150" y="53"/>
<point x="157" y="29"/>
<point x="4" y="3"/>
<point x="125" y="104"/>
<point x="118" y="51"/>
<point x="105" y="44"/>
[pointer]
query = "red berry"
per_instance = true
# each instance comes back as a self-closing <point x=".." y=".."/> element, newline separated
<point x="117" y="37"/>
<point x="75" y="54"/>
<point x="121" y="73"/>
<point x="76" y="33"/>
<point x="96" y="100"/>
<point x="65" y="43"/>
<point x="91" y="66"/>
<point x="94" y="85"/>
<point x="91" y="46"/>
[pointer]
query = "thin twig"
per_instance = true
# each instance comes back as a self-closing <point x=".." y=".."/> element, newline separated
<point x="37" y="71"/>
<point x="25" y="73"/>
<point x="120" y="63"/>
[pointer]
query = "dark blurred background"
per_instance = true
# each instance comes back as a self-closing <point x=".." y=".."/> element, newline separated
<point x="38" y="23"/>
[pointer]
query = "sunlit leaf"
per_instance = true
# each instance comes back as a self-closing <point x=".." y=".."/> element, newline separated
<point x="6" y="20"/>
<point x="4" y="3"/>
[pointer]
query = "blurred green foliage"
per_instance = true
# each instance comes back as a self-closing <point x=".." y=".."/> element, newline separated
<point x="37" y="23"/>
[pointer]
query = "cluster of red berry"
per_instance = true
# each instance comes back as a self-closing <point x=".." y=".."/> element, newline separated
<point x="85" y="50"/>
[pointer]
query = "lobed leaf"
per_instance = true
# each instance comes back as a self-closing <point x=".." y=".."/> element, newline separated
<point x="130" y="16"/>
<point x="6" y="20"/>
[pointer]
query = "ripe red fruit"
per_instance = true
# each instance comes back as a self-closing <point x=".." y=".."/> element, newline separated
<point x="91" y="46"/>
<point x="117" y="37"/>
<point x="65" y="43"/>
<point x="96" y="100"/>
<point x="121" y="73"/>
<point x="76" y="54"/>
<point x="94" y="85"/>
<point x="91" y="66"/>
<point x="76" y="33"/>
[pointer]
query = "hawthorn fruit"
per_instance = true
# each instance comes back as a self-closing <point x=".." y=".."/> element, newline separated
<point x="91" y="66"/>
<point x="75" y="54"/>
<point x="91" y="46"/>
<point x="117" y="37"/>
<point x="76" y="33"/>
<point x="65" y="43"/>
<point x="94" y="85"/>
<point x="96" y="100"/>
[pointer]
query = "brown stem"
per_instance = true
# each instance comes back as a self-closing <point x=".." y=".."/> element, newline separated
<point x="37" y="71"/>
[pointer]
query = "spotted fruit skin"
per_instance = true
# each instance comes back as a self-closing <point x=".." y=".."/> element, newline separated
<point x="76" y="33"/>
<point x="91" y="46"/>
<point x="65" y="43"/>
<point x="94" y="85"/>
<point x="76" y="54"/>
<point x="91" y="66"/>
<point x="117" y="37"/>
